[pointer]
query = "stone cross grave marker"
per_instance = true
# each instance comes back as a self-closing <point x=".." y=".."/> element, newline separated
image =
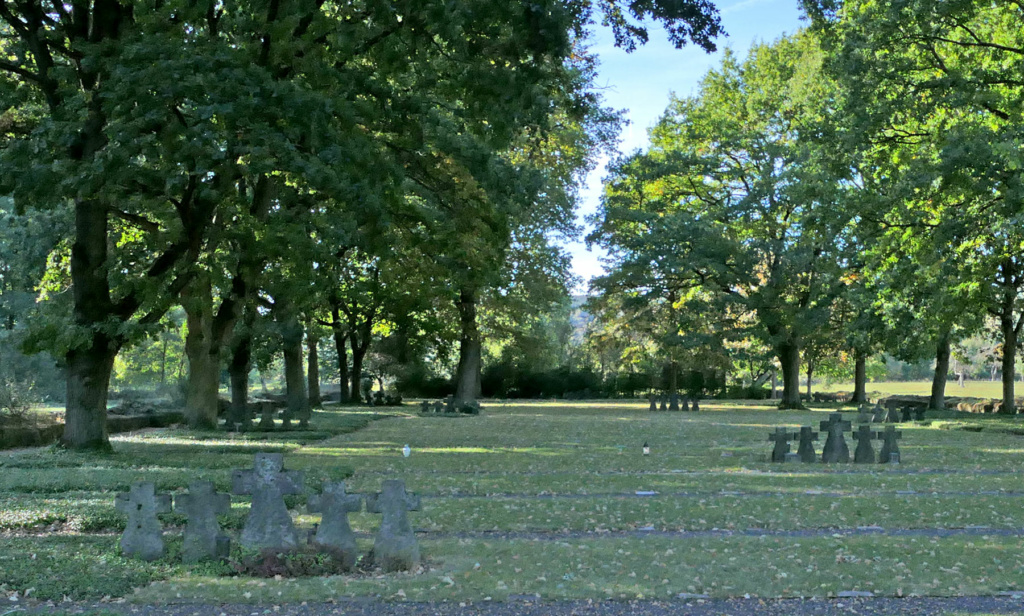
<point x="806" y="448"/>
<point x="908" y="414"/>
<point x="424" y="406"/>
<point x="835" y="449"/>
<point x="654" y="402"/>
<point x="449" y="404"/>
<point x="266" y="415"/>
<point x="889" y="446"/>
<point x="673" y="402"/>
<point x="863" y="414"/>
<point x="663" y="406"/>
<point x="919" y="413"/>
<point x="395" y="548"/>
<point x="201" y="506"/>
<point x="334" y="532"/>
<point x="877" y="414"/>
<point x="892" y="415"/>
<point x="143" y="535"/>
<point x="438" y="407"/>
<point x="686" y="404"/>
<point x="269" y="524"/>
<point x="781" y="437"/>
<point x="864" y="454"/>
<point x="696" y="405"/>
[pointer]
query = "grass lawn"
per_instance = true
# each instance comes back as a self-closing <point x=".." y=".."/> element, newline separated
<point x="540" y="498"/>
<point x="971" y="388"/>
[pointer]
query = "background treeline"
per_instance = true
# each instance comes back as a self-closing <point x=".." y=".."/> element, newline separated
<point x="241" y="183"/>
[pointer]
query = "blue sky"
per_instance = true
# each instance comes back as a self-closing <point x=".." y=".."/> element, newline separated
<point x="641" y="83"/>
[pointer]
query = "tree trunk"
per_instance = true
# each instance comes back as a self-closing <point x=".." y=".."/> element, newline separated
<point x="358" y="352"/>
<point x="937" y="400"/>
<point x="89" y="367"/>
<point x="88" y="380"/>
<point x="789" y="357"/>
<point x="340" y="334"/>
<point x="294" y="375"/>
<point x="201" y="393"/>
<point x="860" y="377"/>
<point x="313" y="371"/>
<point x="467" y="377"/>
<point x="241" y="362"/>
<point x="810" y="373"/>
<point x="775" y="384"/>
<point x="1006" y="324"/>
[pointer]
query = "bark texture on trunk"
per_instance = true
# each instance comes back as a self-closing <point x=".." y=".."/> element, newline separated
<point x="294" y="375"/>
<point x="313" y="372"/>
<point x="241" y="363"/>
<point x="358" y="352"/>
<point x="88" y="380"/>
<point x="789" y="357"/>
<point x="1009" y="330"/>
<point x="937" y="400"/>
<point x="467" y="377"/>
<point x="860" y="377"/>
<point x="340" y="336"/>
<point x="810" y="375"/>
<point x="201" y="393"/>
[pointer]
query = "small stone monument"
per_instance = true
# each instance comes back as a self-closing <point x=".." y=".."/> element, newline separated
<point x="696" y="405"/>
<point x="269" y="524"/>
<point x="201" y="506"/>
<point x="654" y="402"/>
<point x="892" y="415"/>
<point x="908" y="414"/>
<point x="663" y="406"/>
<point x="438" y="407"/>
<point x="449" y="404"/>
<point x="890" y="448"/>
<point x="864" y="453"/>
<point x="334" y="532"/>
<point x="781" y="437"/>
<point x="143" y="535"/>
<point x="835" y="449"/>
<point x="686" y="404"/>
<point x="919" y="413"/>
<point x="806" y="448"/>
<point x="266" y="415"/>
<point x="673" y="402"/>
<point x="395" y="548"/>
<point x="877" y="414"/>
<point x="424" y="407"/>
<point x="863" y="414"/>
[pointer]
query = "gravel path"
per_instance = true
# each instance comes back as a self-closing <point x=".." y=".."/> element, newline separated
<point x="970" y="531"/>
<point x="735" y="607"/>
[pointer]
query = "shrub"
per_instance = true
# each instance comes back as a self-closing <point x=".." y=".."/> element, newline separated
<point x="16" y="398"/>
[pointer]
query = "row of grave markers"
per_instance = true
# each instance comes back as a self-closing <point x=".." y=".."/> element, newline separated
<point x="836" y="449"/>
<point x="671" y="403"/>
<point x="889" y="414"/>
<point x="269" y="525"/>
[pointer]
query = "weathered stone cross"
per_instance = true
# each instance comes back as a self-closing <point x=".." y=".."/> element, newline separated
<point x="806" y="448"/>
<point x="201" y="506"/>
<point x="864" y="454"/>
<point x="143" y="535"/>
<point x="334" y="532"/>
<point x="269" y="524"/>
<point x="835" y="449"/>
<point x="889" y="446"/>
<point x="395" y="548"/>
<point x="781" y="437"/>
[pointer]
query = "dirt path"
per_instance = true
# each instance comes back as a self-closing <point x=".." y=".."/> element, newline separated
<point x="938" y="606"/>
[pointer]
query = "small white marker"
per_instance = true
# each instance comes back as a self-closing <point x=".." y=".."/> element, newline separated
<point x="406" y="451"/>
<point x="647" y="449"/>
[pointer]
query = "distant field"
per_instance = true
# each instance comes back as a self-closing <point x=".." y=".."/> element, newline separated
<point x="971" y="389"/>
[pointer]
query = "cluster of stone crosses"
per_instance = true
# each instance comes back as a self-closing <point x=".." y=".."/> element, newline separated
<point x="836" y="449"/>
<point x="889" y="414"/>
<point x="671" y="403"/>
<point x="448" y="407"/>
<point x="269" y="525"/>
